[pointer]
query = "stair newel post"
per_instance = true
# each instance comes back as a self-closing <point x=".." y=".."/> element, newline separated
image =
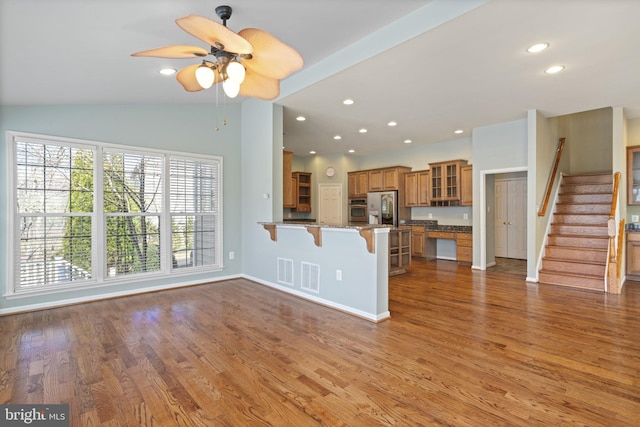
<point x="612" y="284"/>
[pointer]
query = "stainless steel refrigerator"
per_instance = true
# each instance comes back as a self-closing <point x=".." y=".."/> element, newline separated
<point x="383" y="207"/>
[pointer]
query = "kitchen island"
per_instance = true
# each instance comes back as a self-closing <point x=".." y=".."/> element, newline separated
<point x="343" y="267"/>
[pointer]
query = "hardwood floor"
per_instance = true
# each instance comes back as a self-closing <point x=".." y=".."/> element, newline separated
<point x="462" y="348"/>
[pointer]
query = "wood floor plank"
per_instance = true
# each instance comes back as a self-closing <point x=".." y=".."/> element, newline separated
<point x="462" y="348"/>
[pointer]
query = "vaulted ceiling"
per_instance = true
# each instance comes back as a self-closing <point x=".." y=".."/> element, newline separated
<point x="470" y="70"/>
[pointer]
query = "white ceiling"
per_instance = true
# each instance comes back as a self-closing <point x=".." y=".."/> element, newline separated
<point x="470" y="71"/>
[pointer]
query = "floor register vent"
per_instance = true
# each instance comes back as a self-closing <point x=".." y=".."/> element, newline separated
<point x="310" y="277"/>
<point x="285" y="271"/>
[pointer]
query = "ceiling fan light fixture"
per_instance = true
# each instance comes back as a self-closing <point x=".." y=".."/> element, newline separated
<point x="231" y="88"/>
<point x="236" y="72"/>
<point x="205" y="76"/>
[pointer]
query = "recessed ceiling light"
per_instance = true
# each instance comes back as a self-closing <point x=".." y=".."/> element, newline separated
<point x="538" y="47"/>
<point x="458" y="131"/>
<point x="392" y="123"/>
<point x="168" y="71"/>
<point x="348" y="101"/>
<point x="301" y="118"/>
<point x="363" y="130"/>
<point x="554" y="69"/>
<point x="312" y="152"/>
<point x="352" y="151"/>
<point x="408" y="141"/>
<point x="337" y="137"/>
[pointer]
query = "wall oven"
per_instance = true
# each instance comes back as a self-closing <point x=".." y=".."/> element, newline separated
<point x="358" y="210"/>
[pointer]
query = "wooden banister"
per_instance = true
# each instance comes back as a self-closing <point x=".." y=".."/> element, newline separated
<point x="552" y="178"/>
<point x="614" y="262"/>
<point x="614" y="199"/>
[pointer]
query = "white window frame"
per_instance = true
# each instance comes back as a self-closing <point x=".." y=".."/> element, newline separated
<point x="99" y="275"/>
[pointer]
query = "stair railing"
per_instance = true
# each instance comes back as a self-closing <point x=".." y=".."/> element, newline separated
<point x="552" y="177"/>
<point x="616" y="234"/>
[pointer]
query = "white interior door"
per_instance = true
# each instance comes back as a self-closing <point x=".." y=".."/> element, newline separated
<point x="517" y="219"/>
<point x="330" y="204"/>
<point x="501" y="219"/>
<point x="511" y="218"/>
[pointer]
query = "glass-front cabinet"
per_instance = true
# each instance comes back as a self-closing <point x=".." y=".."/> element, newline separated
<point x="633" y="175"/>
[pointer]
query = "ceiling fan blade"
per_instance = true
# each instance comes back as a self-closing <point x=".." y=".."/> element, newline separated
<point x="212" y="33"/>
<point x="174" y="52"/>
<point x="187" y="78"/>
<point x="271" y="57"/>
<point x="259" y="86"/>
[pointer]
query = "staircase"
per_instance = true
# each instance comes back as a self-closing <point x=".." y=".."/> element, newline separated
<point x="576" y="251"/>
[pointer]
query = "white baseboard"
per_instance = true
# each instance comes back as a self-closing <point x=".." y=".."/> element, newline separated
<point x="80" y="300"/>
<point x="350" y="310"/>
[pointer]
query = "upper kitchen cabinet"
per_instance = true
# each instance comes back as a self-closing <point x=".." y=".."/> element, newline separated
<point x="416" y="188"/>
<point x="633" y="175"/>
<point x="387" y="179"/>
<point x="466" y="184"/>
<point x="303" y="191"/>
<point x="445" y="186"/>
<point x="358" y="184"/>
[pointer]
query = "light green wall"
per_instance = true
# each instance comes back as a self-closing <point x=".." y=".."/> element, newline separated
<point x="590" y="141"/>
<point x="497" y="149"/>
<point x="183" y="128"/>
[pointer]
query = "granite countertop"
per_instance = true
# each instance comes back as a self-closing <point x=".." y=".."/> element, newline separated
<point x="432" y="225"/>
<point x="361" y="226"/>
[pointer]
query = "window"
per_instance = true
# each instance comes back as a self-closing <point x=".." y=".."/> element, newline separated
<point x="87" y="214"/>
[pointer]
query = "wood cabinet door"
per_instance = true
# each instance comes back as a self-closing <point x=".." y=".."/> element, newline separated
<point x="362" y="183"/>
<point x="376" y="180"/>
<point x="633" y="255"/>
<point x="288" y="200"/>
<point x="417" y="244"/>
<point x="466" y="185"/>
<point x="435" y="183"/>
<point x="390" y="179"/>
<point x="633" y="175"/>
<point x="352" y="178"/>
<point x="411" y="189"/>
<point x="423" y="188"/>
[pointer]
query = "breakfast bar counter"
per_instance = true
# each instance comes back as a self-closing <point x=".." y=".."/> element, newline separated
<point x="341" y="266"/>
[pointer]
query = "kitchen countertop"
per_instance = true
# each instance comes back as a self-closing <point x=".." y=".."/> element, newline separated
<point x="432" y="225"/>
<point x="353" y="226"/>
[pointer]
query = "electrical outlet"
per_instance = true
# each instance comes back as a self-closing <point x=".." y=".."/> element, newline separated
<point x="232" y="255"/>
<point x="338" y="274"/>
<point x="430" y="216"/>
<point x="634" y="218"/>
<point x="465" y="216"/>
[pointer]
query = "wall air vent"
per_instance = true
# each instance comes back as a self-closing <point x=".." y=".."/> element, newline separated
<point x="285" y="271"/>
<point x="310" y="277"/>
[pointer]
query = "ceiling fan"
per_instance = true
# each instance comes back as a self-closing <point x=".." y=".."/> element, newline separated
<point x="248" y="63"/>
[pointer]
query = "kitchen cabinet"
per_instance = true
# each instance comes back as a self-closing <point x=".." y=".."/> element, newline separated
<point x="633" y="175"/>
<point x="288" y="181"/>
<point x="387" y="178"/>
<point x="416" y="188"/>
<point x="633" y="256"/>
<point x="417" y="241"/>
<point x="464" y="243"/>
<point x="464" y="247"/>
<point x="466" y="185"/>
<point x="399" y="250"/>
<point x="358" y="183"/>
<point x="302" y="191"/>
<point x="445" y="183"/>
